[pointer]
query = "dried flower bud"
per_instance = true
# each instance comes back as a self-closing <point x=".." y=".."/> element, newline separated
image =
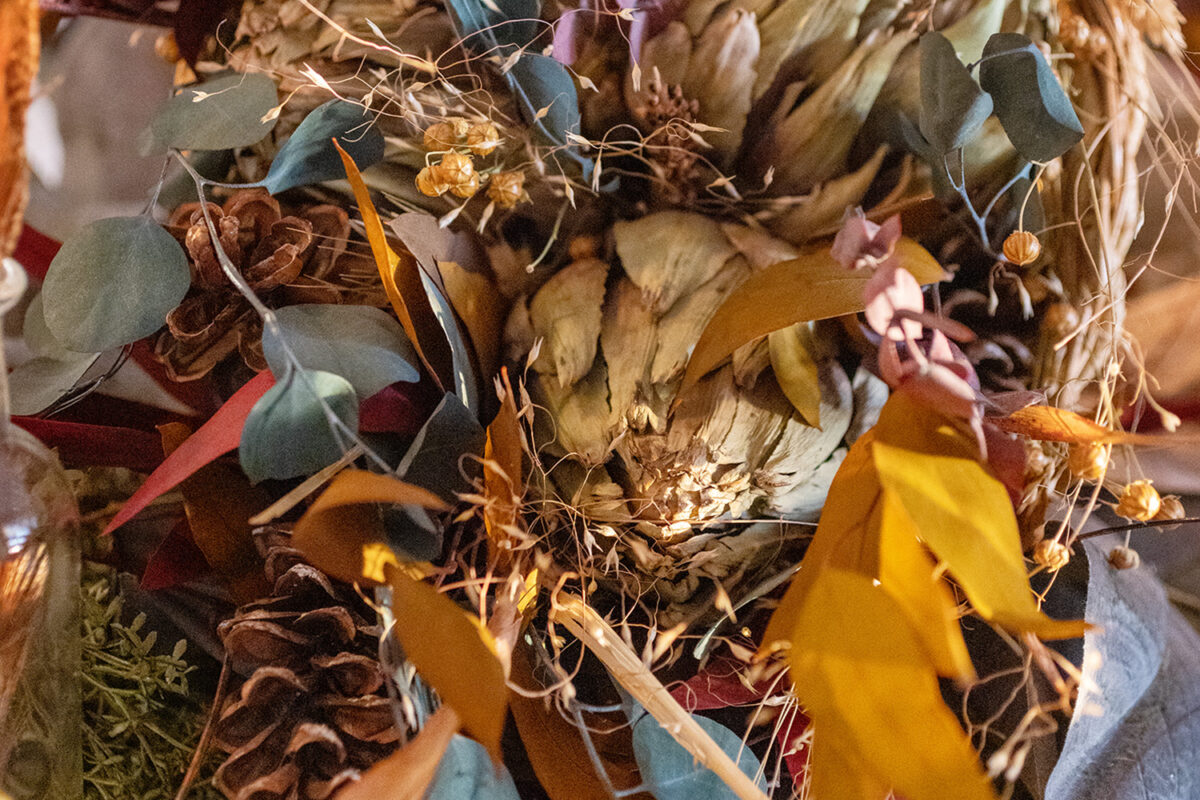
<point x="1022" y="247"/>
<point x="1088" y="461"/>
<point x="166" y="48"/>
<point x="457" y="169"/>
<point x="1124" y="558"/>
<point x="483" y="138"/>
<point x="1051" y="554"/>
<point x="467" y="188"/>
<point x="431" y="181"/>
<point x="439" y="136"/>
<point x="1059" y="320"/>
<point x="460" y="127"/>
<point x="1171" y="508"/>
<point x="1139" y="500"/>
<point x="506" y="188"/>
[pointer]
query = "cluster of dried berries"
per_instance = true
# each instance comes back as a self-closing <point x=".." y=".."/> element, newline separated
<point x="458" y="140"/>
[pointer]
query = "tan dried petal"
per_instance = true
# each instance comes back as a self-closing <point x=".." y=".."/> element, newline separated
<point x="1171" y="508"/>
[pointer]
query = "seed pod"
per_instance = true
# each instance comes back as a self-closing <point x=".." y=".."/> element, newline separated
<point x="166" y="48"/>
<point x="1022" y="247"/>
<point x="506" y="188"/>
<point x="1124" y="558"/>
<point x="1088" y="461"/>
<point x="439" y="136"/>
<point x="460" y="127"/>
<point x="1051" y="554"/>
<point x="1139" y="500"/>
<point x="483" y="138"/>
<point x="1170" y="509"/>
<point x="457" y="169"/>
<point x="467" y="188"/>
<point x="431" y="181"/>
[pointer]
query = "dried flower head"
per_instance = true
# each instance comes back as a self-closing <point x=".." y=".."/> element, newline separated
<point x="1088" y="461"/>
<point x="1171" y="508"/>
<point x="460" y="127"/>
<point x="483" y="138"/>
<point x="506" y="188"/>
<point x="1139" y="500"/>
<point x="1051" y="554"/>
<point x="431" y="181"/>
<point x="1124" y="558"/>
<point x="439" y="136"/>
<point x="466" y="188"/>
<point x="457" y="169"/>
<point x="1022" y="247"/>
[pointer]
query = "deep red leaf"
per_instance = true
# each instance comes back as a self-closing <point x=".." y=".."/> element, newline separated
<point x="81" y="444"/>
<point x="35" y="250"/>
<point x="791" y="727"/>
<point x="176" y="560"/>
<point x="1006" y="457"/>
<point x="400" y="408"/>
<point x="717" y="686"/>
<point x="220" y="434"/>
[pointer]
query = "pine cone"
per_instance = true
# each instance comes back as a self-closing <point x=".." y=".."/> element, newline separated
<point x="311" y="711"/>
<point x="297" y="258"/>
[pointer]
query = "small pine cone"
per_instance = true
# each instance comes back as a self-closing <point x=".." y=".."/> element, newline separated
<point x="310" y="712"/>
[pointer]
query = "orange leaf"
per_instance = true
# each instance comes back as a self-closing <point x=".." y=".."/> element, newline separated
<point x="481" y="307"/>
<point x="408" y="772"/>
<point x="454" y="653"/>
<point x="1059" y="425"/>
<point x="502" y="474"/>
<point x="808" y="288"/>
<point x="344" y="522"/>
<point x="402" y="281"/>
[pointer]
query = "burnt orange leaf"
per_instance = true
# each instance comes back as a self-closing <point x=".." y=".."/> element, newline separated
<point x="219" y="501"/>
<point x="402" y="281"/>
<point x="454" y="653"/>
<point x="339" y="528"/>
<point x="502" y="474"/>
<point x="408" y="772"/>
<point x="482" y="308"/>
<point x="808" y="288"/>
<point x="1049" y="424"/>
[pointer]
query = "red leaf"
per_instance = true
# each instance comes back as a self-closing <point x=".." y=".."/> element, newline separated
<point x="35" y="250"/>
<point x="81" y="444"/>
<point x="176" y="560"/>
<point x="717" y="686"/>
<point x="400" y="408"/>
<point x="790" y="728"/>
<point x="220" y="434"/>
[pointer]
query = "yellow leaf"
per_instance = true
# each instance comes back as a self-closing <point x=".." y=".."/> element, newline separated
<point x="408" y="772"/>
<point x="808" y="288"/>
<point x="794" y="368"/>
<point x="961" y="512"/>
<point x="836" y="776"/>
<point x="482" y="309"/>
<point x="869" y="689"/>
<point x="455" y="654"/>
<point x="402" y="281"/>
<point x="337" y="531"/>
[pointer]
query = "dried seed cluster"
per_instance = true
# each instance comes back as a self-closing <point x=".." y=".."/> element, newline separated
<point x="456" y="172"/>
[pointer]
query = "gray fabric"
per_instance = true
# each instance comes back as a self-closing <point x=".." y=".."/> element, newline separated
<point x="1136" y="730"/>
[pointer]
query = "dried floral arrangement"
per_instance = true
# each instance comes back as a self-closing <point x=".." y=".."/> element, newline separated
<point x="674" y="399"/>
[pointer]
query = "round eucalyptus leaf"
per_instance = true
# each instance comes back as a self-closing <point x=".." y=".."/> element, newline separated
<point x="36" y="385"/>
<point x="308" y="156"/>
<point x="364" y="345"/>
<point x="288" y="433"/>
<point x="953" y="106"/>
<point x="218" y="114"/>
<point x="466" y="772"/>
<point x="113" y="283"/>
<point x="37" y="336"/>
<point x="671" y="773"/>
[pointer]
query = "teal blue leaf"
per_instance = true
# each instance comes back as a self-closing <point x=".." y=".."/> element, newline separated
<point x="308" y="156"/>
<point x="364" y="345"/>
<point x="112" y="283"/>
<point x="543" y="83"/>
<point x="466" y="773"/>
<point x="485" y="26"/>
<point x="218" y="114"/>
<point x="953" y="106"/>
<point x="289" y="433"/>
<point x="670" y="772"/>
<point x="1031" y="105"/>
<point x="435" y="460"/>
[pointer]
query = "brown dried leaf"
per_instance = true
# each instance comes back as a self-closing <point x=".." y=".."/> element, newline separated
<point x="407" y="773"/>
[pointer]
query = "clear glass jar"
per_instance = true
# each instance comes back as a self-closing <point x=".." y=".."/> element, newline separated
<point x="40" y="703"/>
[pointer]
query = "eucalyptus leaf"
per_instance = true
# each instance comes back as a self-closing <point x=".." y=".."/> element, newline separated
<point x="1031" y="105"/>
<point x="671" y="773"/>
<point x="288" y="432"/>
<point x="364" y="345"/>
<point x="547" y="89"/>
<point x="435" y="460"/>
<point x="37" y="384"/>
<point x="495" y="23"/>
<point x="112" y="283"/>
<point x="308" y="156"/>
<point x="37" y="336"/>
<point x="466" y="385"/>
<point x="953" y="106"/>
<point x="466" y="773"/>
<point x="218" y="114"/>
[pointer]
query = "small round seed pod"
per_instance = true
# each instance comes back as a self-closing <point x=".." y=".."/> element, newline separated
<point x="1170" y="509"/>
<point x="457" y="169"/>
<point x="166" y="48"/>
<point x="1124" y="558"/>
<point x="1022" y="247"/>
<point x="1088" y="461"/>
<point x="1051" y="554"/>
<point x="467" y="188"/>
<point x="1139" y="500"/>
<point x="506" y="188"/>
<point x="483" y="138"/>
<point x="431" y="181"/>
<point x="439" y="136"/>
<point x="1060" y="319"/>
<point x="460" y="126"/>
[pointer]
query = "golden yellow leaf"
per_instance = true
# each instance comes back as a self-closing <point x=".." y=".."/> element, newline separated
<point x="402" y="281"/>
<point x="836" y="776"/>
<point x="1059" y="425"/>
<point x="455" y="654"/>
<point x="408" y="772"/>
<point x="796" y="371"/>
<point x="336" y="532"/>
<point x="808" y="288"/>
<point x="481" y="307"/>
